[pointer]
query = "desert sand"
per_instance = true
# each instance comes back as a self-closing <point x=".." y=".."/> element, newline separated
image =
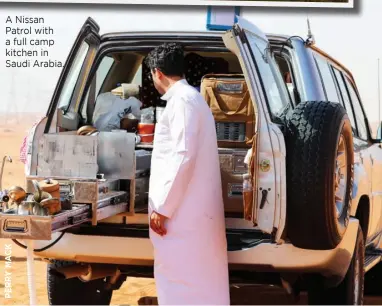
<point x="135" y="290"/>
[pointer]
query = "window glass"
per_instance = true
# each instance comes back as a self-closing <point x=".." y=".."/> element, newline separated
<point x="72" y="77"/>
<point x="286" y="72"/>
<point x="101" y="74"/>
<point x="268" y="73"/>
<point x="327" y="79"/>
<point x="359" y="115"/>
<point x="345" y="97"/>
<point x="102" y="71"/>
<point x="138" y="77"/>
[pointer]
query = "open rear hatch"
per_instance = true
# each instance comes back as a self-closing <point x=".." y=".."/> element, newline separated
<point x="96" y="177"/>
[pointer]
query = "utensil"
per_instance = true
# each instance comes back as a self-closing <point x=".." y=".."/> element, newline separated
<point x="16" y="194"/>
<point x="38" y="210"/>
<point x="25" y="208"/>
<point x="52" y="205"/>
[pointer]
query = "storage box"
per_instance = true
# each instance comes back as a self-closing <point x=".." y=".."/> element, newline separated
<point x="73" y="156"/>
<point x="232" y="168"/>
<point x="67" y="156"/>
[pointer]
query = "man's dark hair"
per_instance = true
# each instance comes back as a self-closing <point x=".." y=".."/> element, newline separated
<point x="168" y="58"/>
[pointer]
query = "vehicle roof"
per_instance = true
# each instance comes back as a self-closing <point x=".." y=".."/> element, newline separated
<point x="121" y="35"/>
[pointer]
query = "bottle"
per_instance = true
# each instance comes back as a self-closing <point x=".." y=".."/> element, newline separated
<point x="247" y="196"/>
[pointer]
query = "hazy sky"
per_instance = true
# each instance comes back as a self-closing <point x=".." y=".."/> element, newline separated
<point x="348" y="35"/>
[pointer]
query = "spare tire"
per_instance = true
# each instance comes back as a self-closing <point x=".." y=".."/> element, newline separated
<point x="319" y="144"/>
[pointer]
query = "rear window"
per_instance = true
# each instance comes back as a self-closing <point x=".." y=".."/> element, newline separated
<point x="359" y="114"/>
<point x="345" y="98"/>
<point x="327" y="79"/>
<point x="269" y="73"/>
<point x="73" y="75"/>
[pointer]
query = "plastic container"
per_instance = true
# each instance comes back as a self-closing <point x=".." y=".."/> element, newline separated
<point x="146" y="138"/>
<point x="146" y="128"/>
<point x="147" y="115"/>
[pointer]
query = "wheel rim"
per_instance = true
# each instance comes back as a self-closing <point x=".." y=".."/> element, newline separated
<point x="340" y="177"/>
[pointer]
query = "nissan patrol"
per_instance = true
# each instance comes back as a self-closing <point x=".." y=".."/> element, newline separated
<point x="314" y="221"/>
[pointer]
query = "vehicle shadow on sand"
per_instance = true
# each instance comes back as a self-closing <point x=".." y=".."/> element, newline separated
<point x="262" y="295"/>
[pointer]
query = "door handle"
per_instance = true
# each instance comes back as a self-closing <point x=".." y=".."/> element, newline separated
<point x="263" y="198"/>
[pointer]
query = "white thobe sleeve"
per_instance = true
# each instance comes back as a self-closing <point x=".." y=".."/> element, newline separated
<point x="184" y="126"/>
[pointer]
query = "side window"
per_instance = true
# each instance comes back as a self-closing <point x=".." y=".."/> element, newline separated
<point x="138" y="77"/>
<point x="345" y="98"/>
<point x="269" y="74"/>
<point x="71" y="79"/>
<point x="359" y="115"/>
<point x="94" y="89"/>
<point x="288" y="77"/>
<point x="102" y="72"/>
<point x="327" y="79"/>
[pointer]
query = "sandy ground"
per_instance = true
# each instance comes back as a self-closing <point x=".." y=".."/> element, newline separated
<point x="13" y="129"/>
<point x="141" y="291"/>
<point x="134" y="291"/>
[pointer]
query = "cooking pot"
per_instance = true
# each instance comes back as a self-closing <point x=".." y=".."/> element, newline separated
<point x="16" y="194"/>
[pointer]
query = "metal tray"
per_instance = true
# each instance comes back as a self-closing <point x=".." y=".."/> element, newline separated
<point x="33" y="227"/>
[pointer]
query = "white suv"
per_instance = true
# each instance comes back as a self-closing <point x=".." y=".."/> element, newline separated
<point x="315" y="221"/>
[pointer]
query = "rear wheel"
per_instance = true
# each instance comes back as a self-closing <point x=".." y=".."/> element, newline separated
<point x="373" y="281"/>
<point x="350" y="290"/>
<point x="319" y="174"/>
<point x="73" y="291"/>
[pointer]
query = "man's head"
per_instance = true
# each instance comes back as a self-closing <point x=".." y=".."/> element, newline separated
<point x="166" y="63"/>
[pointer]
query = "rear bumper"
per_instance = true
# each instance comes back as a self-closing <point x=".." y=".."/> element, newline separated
<point x="288" y="258"/>
<point x="265" y="257"/>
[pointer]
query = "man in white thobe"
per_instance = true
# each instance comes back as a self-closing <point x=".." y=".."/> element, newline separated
<point x="187" y="226"/>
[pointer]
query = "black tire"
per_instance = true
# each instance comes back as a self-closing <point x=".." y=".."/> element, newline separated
<point x="73" y="291"/>
<point x="312" y="138"/>
<point x="351" y="290"/>
<point x="373" y="281"/>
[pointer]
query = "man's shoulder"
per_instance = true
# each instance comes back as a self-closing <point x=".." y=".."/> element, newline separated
<point x="190" y="93"/>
